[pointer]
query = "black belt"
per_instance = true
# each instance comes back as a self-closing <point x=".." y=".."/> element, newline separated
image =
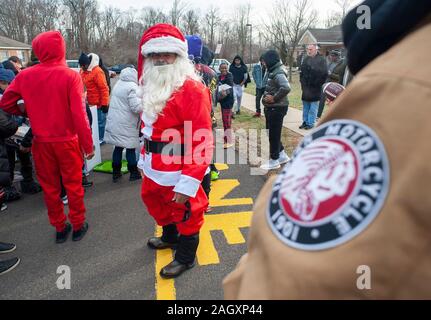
<point x="165" y="148"/>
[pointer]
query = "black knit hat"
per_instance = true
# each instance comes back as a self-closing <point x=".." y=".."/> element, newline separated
<point x="84" y="60"/>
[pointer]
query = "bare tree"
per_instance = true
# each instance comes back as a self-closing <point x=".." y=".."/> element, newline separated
<point x="177" y="11"/>
<point x="191" y="22"/>
<point x="336" y="18"/>
<point x="150" y="16"/>
<point x="290" y="19"/>
<point x="241" y="19"/>
<point x="211" y="21"/>
<point x="344" y="6"/>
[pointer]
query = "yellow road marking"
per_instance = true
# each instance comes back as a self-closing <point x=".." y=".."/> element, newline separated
<point x="221" y="166"/>
<point x="165" y="288"/>
<point x="230" y="224"/>
<point x="221" y="188"/>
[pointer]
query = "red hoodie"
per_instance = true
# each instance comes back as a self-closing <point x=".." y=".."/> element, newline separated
<point x="53" y="95"/>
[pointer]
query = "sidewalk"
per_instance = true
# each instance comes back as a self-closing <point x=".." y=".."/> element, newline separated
<point x="292" y="121"/>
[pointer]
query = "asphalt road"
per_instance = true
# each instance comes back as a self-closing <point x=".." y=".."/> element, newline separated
<point x="113" y="261"/>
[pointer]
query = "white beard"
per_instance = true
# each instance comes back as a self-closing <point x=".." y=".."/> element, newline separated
<point x="158" y="83"/>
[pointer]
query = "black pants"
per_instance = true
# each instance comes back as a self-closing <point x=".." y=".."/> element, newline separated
<point x="274" y="123"/>
<point x="259" y="94"/>
<point x="25" y="160"/>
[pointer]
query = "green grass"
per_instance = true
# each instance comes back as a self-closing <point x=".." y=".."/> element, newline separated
<point x="295" y="95"/>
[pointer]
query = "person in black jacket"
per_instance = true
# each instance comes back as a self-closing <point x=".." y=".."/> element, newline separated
<point x="239" y="71"/>
<point x="276" y="103"/>
<point x="226" y="99"/>
<point x="314" y="72"/>
<point x="8" y="128"/>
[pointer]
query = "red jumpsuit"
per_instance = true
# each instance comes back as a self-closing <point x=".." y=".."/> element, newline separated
<point x="53" y="96"/>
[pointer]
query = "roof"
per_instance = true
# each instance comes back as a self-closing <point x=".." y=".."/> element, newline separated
<point x="10" y="43"/>
<point x="331" y="35"/>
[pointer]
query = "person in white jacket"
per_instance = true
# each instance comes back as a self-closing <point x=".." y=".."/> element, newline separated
<point x="123" y="123"/>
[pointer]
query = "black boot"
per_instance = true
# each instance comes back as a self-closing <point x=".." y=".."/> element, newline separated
<point x="116" y="172"/>
<point x="12" y="194"/>
<point x="134" y="173"/>
<point x="169" y="238"/>
<point x="30" y="187"/>
<point x="185" y="257"/>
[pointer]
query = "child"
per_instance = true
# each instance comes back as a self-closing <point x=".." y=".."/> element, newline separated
<point x="226" y="100"/>
<point x="123" y="123"/>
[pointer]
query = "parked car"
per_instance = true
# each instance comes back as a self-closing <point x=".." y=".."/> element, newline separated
<point x="216" y="64"/>
<point x="119" y="67"/>
<point x="73" y="64"/>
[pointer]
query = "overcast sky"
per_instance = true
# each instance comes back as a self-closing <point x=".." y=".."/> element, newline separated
<point x="324" y="7"/>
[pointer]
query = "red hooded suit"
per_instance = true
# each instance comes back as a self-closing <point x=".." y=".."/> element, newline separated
<point x="53" y="95"/>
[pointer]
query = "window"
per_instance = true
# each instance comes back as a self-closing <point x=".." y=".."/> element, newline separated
<point x="3" y="55"/>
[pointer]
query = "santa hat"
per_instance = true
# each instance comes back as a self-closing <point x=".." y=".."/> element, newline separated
<point x="161" y="38"/>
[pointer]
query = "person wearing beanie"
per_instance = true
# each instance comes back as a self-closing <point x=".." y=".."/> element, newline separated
<point x="175" y="99"/>
<point x="276" y="103"/>
<point x="94" y="80"/>
<point x="349" y="218"/>
<point x="6" y="77"/>
<point x="60" y="128"/>
<point x="259" y="71"/>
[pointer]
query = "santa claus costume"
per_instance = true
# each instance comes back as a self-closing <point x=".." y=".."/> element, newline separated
<point x="178" y="144"/>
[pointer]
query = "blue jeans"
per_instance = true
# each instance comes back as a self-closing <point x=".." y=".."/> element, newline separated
<point x="117" y="156"/>
<point x="309" y="112"/>
<point x="101" y="120"/>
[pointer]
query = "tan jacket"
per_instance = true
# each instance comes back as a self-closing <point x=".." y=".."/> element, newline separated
<point x="392" y="96"/>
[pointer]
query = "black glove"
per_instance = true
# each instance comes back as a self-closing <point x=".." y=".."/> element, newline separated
<point x="104" y="109"/>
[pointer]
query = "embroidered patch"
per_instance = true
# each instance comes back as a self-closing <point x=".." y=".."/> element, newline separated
<point x="333" y="188"/>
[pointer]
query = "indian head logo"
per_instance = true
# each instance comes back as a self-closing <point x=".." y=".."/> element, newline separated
<point x="333" y="188"/>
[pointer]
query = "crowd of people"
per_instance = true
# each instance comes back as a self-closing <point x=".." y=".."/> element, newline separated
<point x="121" y="122"/>
<point x="347" y="198"/>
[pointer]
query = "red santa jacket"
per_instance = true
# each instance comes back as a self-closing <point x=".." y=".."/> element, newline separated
<point x="53" y="95"/>
<point x="185" y="119"/>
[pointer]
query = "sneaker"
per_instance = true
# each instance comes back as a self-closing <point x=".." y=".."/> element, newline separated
<point x="7" y="247"/>
<point x="65" y="200"/>
<point x="284" y="158"/>
<point x="238" y="112"/>
<point x="308" y="127"/>
<point x="102" y="142"/>
<point x="215" y="175"/>
<point x="303" y="125"/>
<point x="61" y="237"/>
<point x="78" y="235"/>
<point x="227" y="145"/>
<point x="8" y="265"/>
<point x="3" y="207"/>
<point x="270" y="165"/>
<point x="257" y="115"/>
<point x="86" y="183"/>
